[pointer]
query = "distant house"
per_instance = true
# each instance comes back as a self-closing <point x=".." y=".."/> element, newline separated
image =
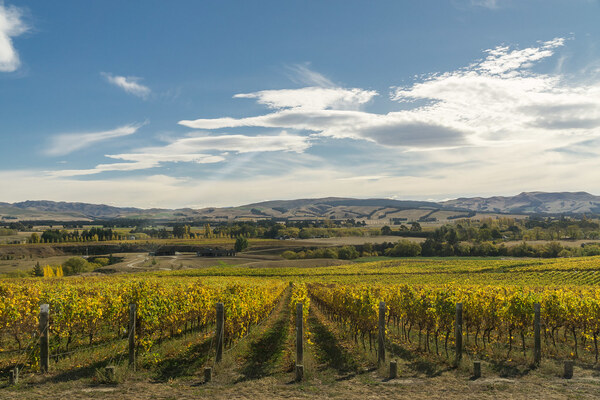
<point x="216" y="252"/>
<point x="165" y="252"/>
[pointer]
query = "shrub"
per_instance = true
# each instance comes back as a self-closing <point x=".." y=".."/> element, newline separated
<point x="289" y="255"/>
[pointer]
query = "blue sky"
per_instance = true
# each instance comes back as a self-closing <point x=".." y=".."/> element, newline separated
<point x="198" y="103"/>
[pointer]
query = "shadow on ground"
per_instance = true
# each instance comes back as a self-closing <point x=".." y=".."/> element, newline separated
<point x="265" y="352"/>
<point x="331" y="353"/>
<point x="185" y="365"/>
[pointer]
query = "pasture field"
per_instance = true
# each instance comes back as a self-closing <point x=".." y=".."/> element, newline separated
<point x="176" y="331"/>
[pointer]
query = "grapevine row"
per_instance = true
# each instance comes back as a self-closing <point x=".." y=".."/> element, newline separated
<point x="492" y="314"/>
<point x="86" y="311"/>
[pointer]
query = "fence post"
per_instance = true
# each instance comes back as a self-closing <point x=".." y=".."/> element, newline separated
<point x="458" y="335"/>
<point x="537" y="351"/>
<point x="44" y="337"/>
<point x="111" y="375"/>
<point x="299" y="342"/>
<point x="393" y="369"/>
<point x="220" y="330"/>
<point x="14" y="376"/>
<point x="131" y="333"/>
<point x="381" y="335"/>
<point x="299" y="372"/>
<point x="476" y="369"/>
<point x="207" y="374"/>
<point x="568" y="372"/>
<point x="299" y="334"/>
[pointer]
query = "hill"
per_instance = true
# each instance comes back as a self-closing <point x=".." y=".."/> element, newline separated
<point x="372" y="211"/>
<point x="532" y="203"/>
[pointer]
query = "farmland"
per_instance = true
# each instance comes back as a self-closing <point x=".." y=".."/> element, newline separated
<point x="89" y="328"/>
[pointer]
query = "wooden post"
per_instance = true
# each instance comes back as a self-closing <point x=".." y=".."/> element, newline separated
<point x="476" y="369"/>
<point x="381" y="334"/>
<point x="44" y="337"/>
<point x="207" y="374"/>
<point x="299" y="372"/>
<point x="299" y="334"/>
<point x="568" y="373"/>
<point x="131" y="332"/>
<point x="111" y="375"/>
<point x="220" y="330"/>
<point x="14" y="376"/>
<point x="393" y="369"/>
<point x="537" y="339"/>
<point x="458" y="335"/>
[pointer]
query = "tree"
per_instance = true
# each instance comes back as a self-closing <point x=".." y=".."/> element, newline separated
<point x="75" y="265"/>
<point x="386" y="231"/>
<point x="180" y="231"/>
<point x="404" y="248"/>
<point x="415" y="227"/>
<point x="37" y="270"/>
<point x="348" y="253"/>
<point x="241" y="244"/>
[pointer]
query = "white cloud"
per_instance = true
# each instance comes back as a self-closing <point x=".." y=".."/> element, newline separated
<point x="139" y="161"/>
<point x="491" y="4"/>
<point x="128" y="84"/>
<point x="11" y="25"/>
<point x="487" y="104"/>
<point x="69" y="142"/>
<point x="194" y="150"/>
<point x="495" y="127"/>
<point x="237" y="143"/>
<point x="312" y="98"/>
<point x="302" y="74"/>
<point x="441" y="183"/>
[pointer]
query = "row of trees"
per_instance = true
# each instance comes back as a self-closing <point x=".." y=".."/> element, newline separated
<point x="72" y="266"/>
<point x="343" y="253"/>
<point x="88" y="235"/>
<point x="513" y="229"/>
<point x="431" y="248"/>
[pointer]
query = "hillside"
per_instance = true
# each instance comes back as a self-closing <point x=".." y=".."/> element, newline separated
<point x="372" y="211"/>
<point x="532" y="202"/>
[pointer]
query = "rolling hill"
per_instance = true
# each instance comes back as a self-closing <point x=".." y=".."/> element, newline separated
<point x="369" y="210"/>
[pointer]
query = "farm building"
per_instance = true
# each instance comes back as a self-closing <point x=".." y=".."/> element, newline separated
<point x="210" y="252"/>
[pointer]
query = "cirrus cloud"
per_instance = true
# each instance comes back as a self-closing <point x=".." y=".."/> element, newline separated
<point x="129" y="84"/>
<point x="195" y="149"/>
<point x="66" y="143"/>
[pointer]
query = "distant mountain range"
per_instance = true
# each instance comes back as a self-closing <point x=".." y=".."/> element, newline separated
<point x="370" y="210"/>
<point x="532" y="202"/>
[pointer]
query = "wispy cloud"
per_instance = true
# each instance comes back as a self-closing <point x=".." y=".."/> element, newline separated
<point x="11" y="25"/>
<point x="196" y="149"/>
<point x="67" y="143"/>
<point x="129" y="84"/>
<point x="491" y="4"/>
<point x="302" y="74"/>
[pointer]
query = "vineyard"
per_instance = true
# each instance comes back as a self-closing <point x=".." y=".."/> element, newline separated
<point x="337" y="310"/>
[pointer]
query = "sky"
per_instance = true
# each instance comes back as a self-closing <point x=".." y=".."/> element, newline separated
<point x="222" y="103"/>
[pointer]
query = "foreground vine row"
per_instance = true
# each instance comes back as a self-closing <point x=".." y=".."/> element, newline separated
<point x="493" y="315"/>
<point x="90" y="310"/>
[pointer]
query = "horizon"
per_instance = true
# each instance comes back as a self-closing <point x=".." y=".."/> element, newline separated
<point x="231" y="103"/>
<point x="310" y="198"/>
